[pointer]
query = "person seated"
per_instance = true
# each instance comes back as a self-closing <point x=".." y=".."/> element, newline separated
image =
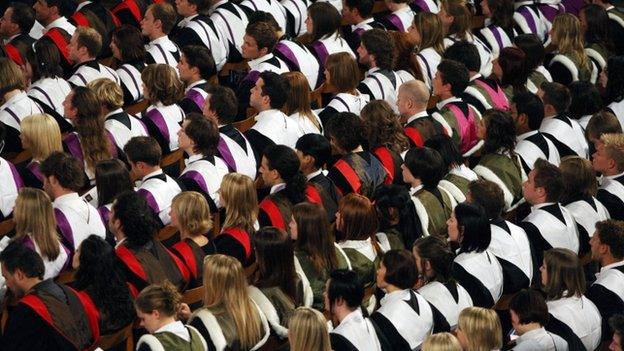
<point x="233" y="147"/>
<point x="16" y="105"/>
<point x="157" y="23"/>
<point x="534" y="52"/>
<point x="75" y="218"/>
<point x="510" y="70"/>
<point x="499" y="32"/>
<point x="412" y="102"/>
<point x="156" y="187"/>
<point x="358" y="17"/>
<point x="606" y="248"/>
<point x="229" y="317"/>
<point x="196" y="28"/>
<point x="272" y="126"/>
<point x="458" y="117"/>
<point x="401" y="15"/>
<point x="128" y="50"/>
<point x="143" y="258"/>
<point x="529" y="314"/>
<point x="30" y="325"/>
<point x="527" y="110"/>
<point x="163" y="89"/>
<point x="14" y="183"/>
<point x="603" y="122"/>
<point x="277" y="288"/>
<point x="316" y="253"/>
<point x="129" y="11"/>
<point x="499" y="163"/>
<point x="423" y="169"/>
<point x="509" y="243"/>
<point x="427" y="32"/>
<point x="157" y="308"/>
<point x="96" y="15"/>
<point x="608" y="160"/>
<point x="111" y="179"/>
<point x="204" y="171"/>
<point x="52" y="15"/>
<point x="434" y="260"/>
<point x="19" y="20"/>
<point x="84" y="47"/>
<point x="549" y="224"/>
<point x="190" y="215"/>
<point x="41" y="136"/>
<point x="405" y="318"/>
<point x="196" y="66"/>
<point x="441" y="341"/>
<point x="475" y="267"/>
<point x="344" y="293"/>
<point x="614" y="102"/>
<point x="275" y="8"/>
<point x="397" y="215"/>
<point x="572" y="315"/>
<point x="307" y="330"/>
<point x="565" y="133"/>
<point x="377" y="54"/>
<point x="479" y="329"/>
<point x="298" y="106"/>
<point x="99" y="276"/>
<point x="585" y="102"/>
<point x="357" y="171"/>
<point x="230" y="18"/>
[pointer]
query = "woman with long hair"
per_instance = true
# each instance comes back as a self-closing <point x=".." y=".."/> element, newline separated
<point x="595" y="24"/>
<point x="534" y="53"/>
<point x="98" y="275"/>
<point x="157" y="308"/>
<point x="436" y="284"/>
<point x="111" y="179"/>
<point x="570" y="62"/>
<point x="612" y="79"/>
<point x="129" y="51"/>
<point x="316" y="253"/>
<point x="298" y="104"/>
<point x="238" y="196"/>
<point x="35" y="227"/>
<point x="385" y="137"/>
<point x="307" y="331"/>
<point x="499" y="163"/>
<point x="342" y="74"/>
<point x="190" y="214"/>
<point x="90" y="142"/>
<point x="511" y="71"/>
<point x="474" y="267"/>
<point x="479" y="329"/>
<point x="41" y="136"/>
<point x="427" y="33"/>
<point x="396" y="215"/>
<point x="563" y="282"/>
<point x="498" y="32"/>
<point x="229" y="319"/>
<point x="277" y="287"/>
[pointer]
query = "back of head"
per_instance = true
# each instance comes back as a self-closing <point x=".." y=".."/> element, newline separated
<point x="481" y="327"/>
<point x="437" y="252"/>
<point x="347" y="130"/>
<point x="275" y="87"/>
<point x="614" y="148"/>
<point x="136" y="218"/>
<point x="441" y="342"/>
<point x="379" y="43"/>
<point x="223" y="103"/>
<point x="585" y="99"/>
<point x="307" y="330"/>
<point x="201" y="58"/>
<point x="193" y="213"/>
<point x="33" y="215"/>
<point x="163" y="297"/>
<point x="431" y="31"/>
<point x="462" y="18"/>
<point x="382" y="127"/>
<point x="512" y="62"/>
<point x="466" y="53"/>
<point x="203" y="132"/>
<point x="285" y="161"/>
<point x="16" y="256"/>
<point x="10" y="77"/>
<point x="65" y="168"/>
<point x="395" y="209"/>
<point x="112" y="177"/>
<point x="344" y="284"/>
<point x="530" y="105"/>
<point x="364" y="7"/>
<point x="88" y="108"/>
<point x="129" y="41"/>
<point x="326" y="19"/>
<point x="454" y="73"/>
<point x="276" y="266"/>
<point x="315" y="145"/>
<point x="600" y="123"/>
<point x="533" y="48"/>
<point x="474" y="227"/>
<point x="90" y="39"/>
<point x="615" y="82"/>
<point x="500" y="132"/>
<point x="343" y="71"/>
<point x="358" y="220"/>
<point x="448" y="149"/>
<point x="566" y="277"/>
<point x="166" y="14"/>
<point x="549" y="177"/>
<point x="488" y="195"/>
<point x="314" y="237"/>
<point x="400" y="269"/>
<point x="43" y="135"/>
<point x="557" y="95"/>
<point x="22" y="15"/>
<point x="264" y="34"/>
<point x="262" y="16"/>
<point x="238" y="191"/>
<point x="530" y="307"/>
<point x="162" y="83"/>
<point x="611" y="234"/>
<point x="425" y="164"/>
<point x="579" y="178"/>
<point x="143" y="149"/>
<point x="108" y="93"/>
<point x="45" y="59"/>
<point x="298" y="96"/>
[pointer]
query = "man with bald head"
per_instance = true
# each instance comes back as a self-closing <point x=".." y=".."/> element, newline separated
<point x="412" y="104"/>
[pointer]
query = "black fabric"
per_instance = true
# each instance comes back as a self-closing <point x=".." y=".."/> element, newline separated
<point x="228" y="245"/>
<point x="480" y="295"/>
<point x="538" y="243"/>
<point x="329" y="193"/>
<point x="340" y="343"/>
<point x="154" y="132"/>
<point x="612" y="203"/>
<point x="608" y="304"/>
<point x="28" y="178"/>
<point x="556" y="326"/>
<point x="258" y="142"/>
<point x="389" y="331"/>
<point x="327" y="114"/>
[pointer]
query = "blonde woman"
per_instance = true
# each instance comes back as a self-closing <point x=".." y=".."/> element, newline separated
<point x="35" y="227"/>
<point x="479" y="329"/>
<point x="570" y="62"/>
<point x="298" y="104"/>
<point x="307" y="331"/>
<point x="441" y="342"/>
<point x="190" y="214"/>
<point x="41" y="136"/>
<point x="229" y="318"/>
<point x="428" y="34"/>
<point x="238" y="197"/>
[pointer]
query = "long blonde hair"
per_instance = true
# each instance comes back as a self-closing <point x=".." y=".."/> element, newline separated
<point x="482" y="329"/>
<point x="567" y="33"/>
<point x="43" y="135"/>
<point x="226" y="293"/>
<point x="241" y="202"/>
<point x="307" y="331"/>
<point x="193" y="213"/>
<point x="34" y="216"/>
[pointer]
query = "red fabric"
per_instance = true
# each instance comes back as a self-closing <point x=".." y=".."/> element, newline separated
<point x="131" y="6"/>
<point x="181" y="266"/>
<point x="133" y="290"/>
<point x="275" y="215"/>
<point x="127" y="257"/>
<point x="38" y="306"/>
<point x="413" y="134"/>
<point x="242" y="237"/>
<point x="80" y="19"/>
<point x="313" y="195"/>
<point x="93" y="315"/>
<point x="383" y="154"/>
<point x="14" y="54"/>
<point x="185" y="251"/>
<point x="115" y="20"/>
<point x="349" y="173"/>
<point x="59" y="40"/>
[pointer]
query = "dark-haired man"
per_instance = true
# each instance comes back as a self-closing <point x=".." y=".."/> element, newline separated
<point x="357" y="15"/>
<point x="84" y="47"/>
<point x="157" y="23"/>
<point x="51" y="14"/>
<point x="15" y="25"/>
<point x="196" y="66"/>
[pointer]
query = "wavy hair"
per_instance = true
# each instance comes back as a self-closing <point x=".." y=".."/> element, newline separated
<point x="382" y="127"/>
<point x="568" y="36"/>
<point x="89" y="125"/>
<point x="500" y="132"/>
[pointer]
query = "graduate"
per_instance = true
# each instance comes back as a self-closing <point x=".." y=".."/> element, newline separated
<point x="84" y="47"/>
<point x="157" y="23"/>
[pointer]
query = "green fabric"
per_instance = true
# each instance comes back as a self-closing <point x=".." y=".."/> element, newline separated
<point x="394" y="238"/>
<point x="363" y="267"/>
<point x="451" y="120"/>
<point x="438" y="212"/>
<point x="171" y="341"/>
<point x="584" y="73"/>
<point x="317" y="280"/>
<point x="508" y="170"/>
<point x="284" y="304"/>
<point x="536" y="77"/>
<point x="460" y="182"/>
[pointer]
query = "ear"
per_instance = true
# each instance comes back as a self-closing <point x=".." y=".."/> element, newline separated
<point x="612" y="163"/>
<point x="523" y="119"/>
<point x="263" y="51"/>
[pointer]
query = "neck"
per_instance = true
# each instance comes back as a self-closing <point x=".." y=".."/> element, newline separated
<point x="359" y="19"/>
<point x="357" y="149"/>
<point x="445" y="95"/>
<point x="150" y="170"/>
<point x="538" y="202"/>
<point x="391" y="288"/>
<point x="84" y="59"/>
<point x="29" y="283"/>
<point x="607" y="260"/>
<point x="264" y="108"/>
<point x="524" y="328"/>
<point x="523" y="129"/>
<point x="473" y="73"/>
<point x="341" y="313"/>
<point x="415" y="183"/>
<point x="58" y="192"/>
<point x="11" y="94"/>
<point x="189" y="150"/>
<point x="164" y="321"/>
<point x="611" y="172"/>
<point x="193" y="80"/>
<point x="199" y="239"/>
<point x="308" y="170"/>
<point x="157" y="35"/>
<point x="51" y="19"/>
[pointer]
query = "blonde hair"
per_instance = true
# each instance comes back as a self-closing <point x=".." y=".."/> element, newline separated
<point x="163" y="84"/>
<point x="482" y="329"/>
<point x="307" y="331"/>
<point x="441" y="342"/>
<point x="614" y="147"/>
<point x="193" y="213"/>
<point x="108" y="92"/>
<point x="227" y="294"/>
<point x="43" y="135"/>
<point x="431" y="31"/>
<point x="567" y="33"/>
<point x="163" y="297"/>
<point x="11" y="77"/>
<point x="241" y="201"/>
<point x="34" y="216"/>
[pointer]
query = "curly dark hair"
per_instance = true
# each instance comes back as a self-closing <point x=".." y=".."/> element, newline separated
<point x="137" y="219"/>
<point x="100" y="276"/>
<point x="65" y="168"/>
<point x="500" y="132"/>
<point x="346" y="129"/>
<point x="379" y="43"/>
<point x="382" y="127"/>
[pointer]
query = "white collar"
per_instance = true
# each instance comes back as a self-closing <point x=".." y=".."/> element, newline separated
<point x="114" y="112"/>
<point x="613" y="176"/>
<point x="160" y="40"/>
<point x="8" y="40"/>
<point x="268" y="114"/>
<point x="417" y="115"/>
<point x="183" y="22"/>
<point x="159" y="171"/>
<point x="371" y="71"/>
<point x="478" y="75"/>
<point x="67" y="198"/>
<point x="612" y="265"/>
<point x="395" y="296"/>
<point x="314" y="174"/>
<point x="120" y="242"/>
<point x="176" y="328"/>
<point x="405" y="9"/>
<point x="277" y="187"/>
<point x="531" y="334"/>
<point x="15" y="98"/>
<point x="362" y="24"/>
<point x="526" y="135"/>
<point x="193" y="158"/>
<point x="60" y="22"/>
<point x="81" y="5"/>
<point x="255" y="62"/>
<point x="192" y="85"/>
<point x="353" y="317"/>
<point x="543" y="204"/>
<point x="442" y="103"/>
<point x="414" y="190"/>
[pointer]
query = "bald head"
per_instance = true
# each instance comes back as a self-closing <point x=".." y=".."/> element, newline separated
<point x="413" y="97"/>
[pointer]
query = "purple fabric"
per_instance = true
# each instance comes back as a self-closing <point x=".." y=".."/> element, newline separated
<point x="155" y="116"/>
<point x="73" y="145"/>
<point x="69" y="257"/>
<point x="291" y="60"/>
<point x="573" y="6"/>
<point x="396" y="21"/>
<point x="321" y="52"/>
<point x="27" y="241"/>
<point x="66" y="230"/>
<point x="150" y="199"/>
<point x="253" y="76"/>
<point x="112" y="146"/>
<point x="226" y="155"/>
<point x="497" y="36"/>
<point x="528" y="16"/>
<point x="549" y="12"/>
<point x="33" y="167"/>
<point x="359" y="31"/>
<point x="197" y="178"/>
<point x="104" y="214"/>
<point x="9" y="111"/>
<point x="16" y="177"/>
<point x="422" y="5"/>
<point x="197" y="98"/>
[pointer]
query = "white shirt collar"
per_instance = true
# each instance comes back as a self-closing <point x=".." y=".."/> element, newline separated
<point x="159" y="171"/>
<point x="67" y="198"/>
<point x="267" y="114"/>
<point x="176" y="328"/>
<point x="395" y="296"/>
<point x="442" y="103"/>
<point x="417" y="116"/>
<point x="612" y="265"/>
<point x="81" y="5"/>
<point x="192" y="85"/>
<point x="413" y="190"/>
<point x="531" y="334"/>
<point x="478" y="75"/>
<point x="114" y="112"/>
<point x="371" y="71"/>
<point x="120" y="242"/>
<point x="255" y="62"/>
<point x="614" y="176"/>
<point x="160" y="40"/>
<point x="183" y="22"/>
<point x="60" y="22"/>
<point x="314" y="174"/>
<point x="193" y="158"/>
<point x="362" y="24"/>
<point x="277" y="187"/>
